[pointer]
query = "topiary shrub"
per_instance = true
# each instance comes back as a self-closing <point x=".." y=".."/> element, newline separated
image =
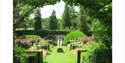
<point x="74" y="35"/>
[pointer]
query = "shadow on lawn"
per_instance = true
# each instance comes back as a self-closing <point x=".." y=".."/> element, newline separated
<point x="49" y="53"/>
<point x="60" y="52"/>
<point x="44" y="62"/>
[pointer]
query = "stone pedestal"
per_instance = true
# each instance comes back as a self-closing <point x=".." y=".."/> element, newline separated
<point x="59" y="50"/>
<point x="59" y="43"/>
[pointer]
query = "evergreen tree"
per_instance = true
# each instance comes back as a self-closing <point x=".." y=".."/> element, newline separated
<point x="66" y="17"/>
<point x="84" y="27"/>
<point x="53" y="21"/>
<point x="38" y="23"/>
<point x="74" y="17"/>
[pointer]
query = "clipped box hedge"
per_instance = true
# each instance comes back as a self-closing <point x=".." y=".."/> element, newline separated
<point x="98" y="56"/>
<point x="96" y="53"/>
<point x="102" y="56"/>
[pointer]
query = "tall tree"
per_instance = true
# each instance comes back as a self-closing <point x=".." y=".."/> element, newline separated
<point x="53" y="21"/>
<point x="38" y="23"/>
<point x="74" y="17"/>
<point x="84" y="27"/>
<point x="66" y="17"/>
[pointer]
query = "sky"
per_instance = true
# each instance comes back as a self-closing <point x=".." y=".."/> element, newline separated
<point x="59" y="8"/>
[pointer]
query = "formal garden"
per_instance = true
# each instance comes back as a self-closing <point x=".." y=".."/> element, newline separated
<point x="82" y="33"/>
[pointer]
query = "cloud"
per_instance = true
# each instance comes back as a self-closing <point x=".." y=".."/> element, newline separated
<point x="47" y="10"/>
<point x="59" y="8"/>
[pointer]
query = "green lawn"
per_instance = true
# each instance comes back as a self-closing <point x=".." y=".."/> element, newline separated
<point x="66" y="57"/>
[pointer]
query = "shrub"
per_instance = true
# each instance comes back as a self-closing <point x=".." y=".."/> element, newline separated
<point x="102" y="32"/>
<point x="21" y="56"/>
<point x="86" y="57"/>
<point x="102" y="56"/>
<point x="43" y="44"/>
<point x="25" y="43"/>
<point x="96" y="53"/>
<point x="18" y="55"/>
<point x="74" y="35"/>
<point x="32" y="36"/>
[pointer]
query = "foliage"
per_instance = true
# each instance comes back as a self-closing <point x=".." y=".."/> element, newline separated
<point x="99" y="22"/>
<point x="60" y="24"/>
<point x="18" y="53"/>
<point x="45" y="23"/>
<point x="100" y="10"/>
<point x="43" y="43"/>
<point x="93" y="4"/>
<point x="96" y="17"/>
<point x="74" y="35"/>
<point x="31" y="36"/>
<point x="102" y="56"/>
<point x="21" y="13"/>
<point x="66" y="17"/>
<point x="101" y="32"/>
<point x="74" y="17"/>
<point x="84" y="25"/>
<point x="94" y="10"/>
<point x="38" y="23"/>
<point x="53" y="21"/>
<point x="91" y="46"/>
<point x="87" y="57"/>
<point x="106" y="21"/>
<point x="24" y="8"/>
<point x="21" y="55"/>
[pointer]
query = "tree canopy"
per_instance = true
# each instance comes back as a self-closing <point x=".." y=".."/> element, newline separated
<point x="53" y="21"/>
<point x="94" y="12"/>
<point x="66" y="17"/>
<point x="38" y="22"/>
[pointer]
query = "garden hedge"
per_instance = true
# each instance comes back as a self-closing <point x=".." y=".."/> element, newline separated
<point x="72" y="36"/>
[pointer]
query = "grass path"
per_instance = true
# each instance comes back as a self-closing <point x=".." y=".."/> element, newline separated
<point x="66" y="57"/>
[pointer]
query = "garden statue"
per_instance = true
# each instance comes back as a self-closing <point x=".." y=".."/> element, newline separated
<point x="59" y="43"/>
